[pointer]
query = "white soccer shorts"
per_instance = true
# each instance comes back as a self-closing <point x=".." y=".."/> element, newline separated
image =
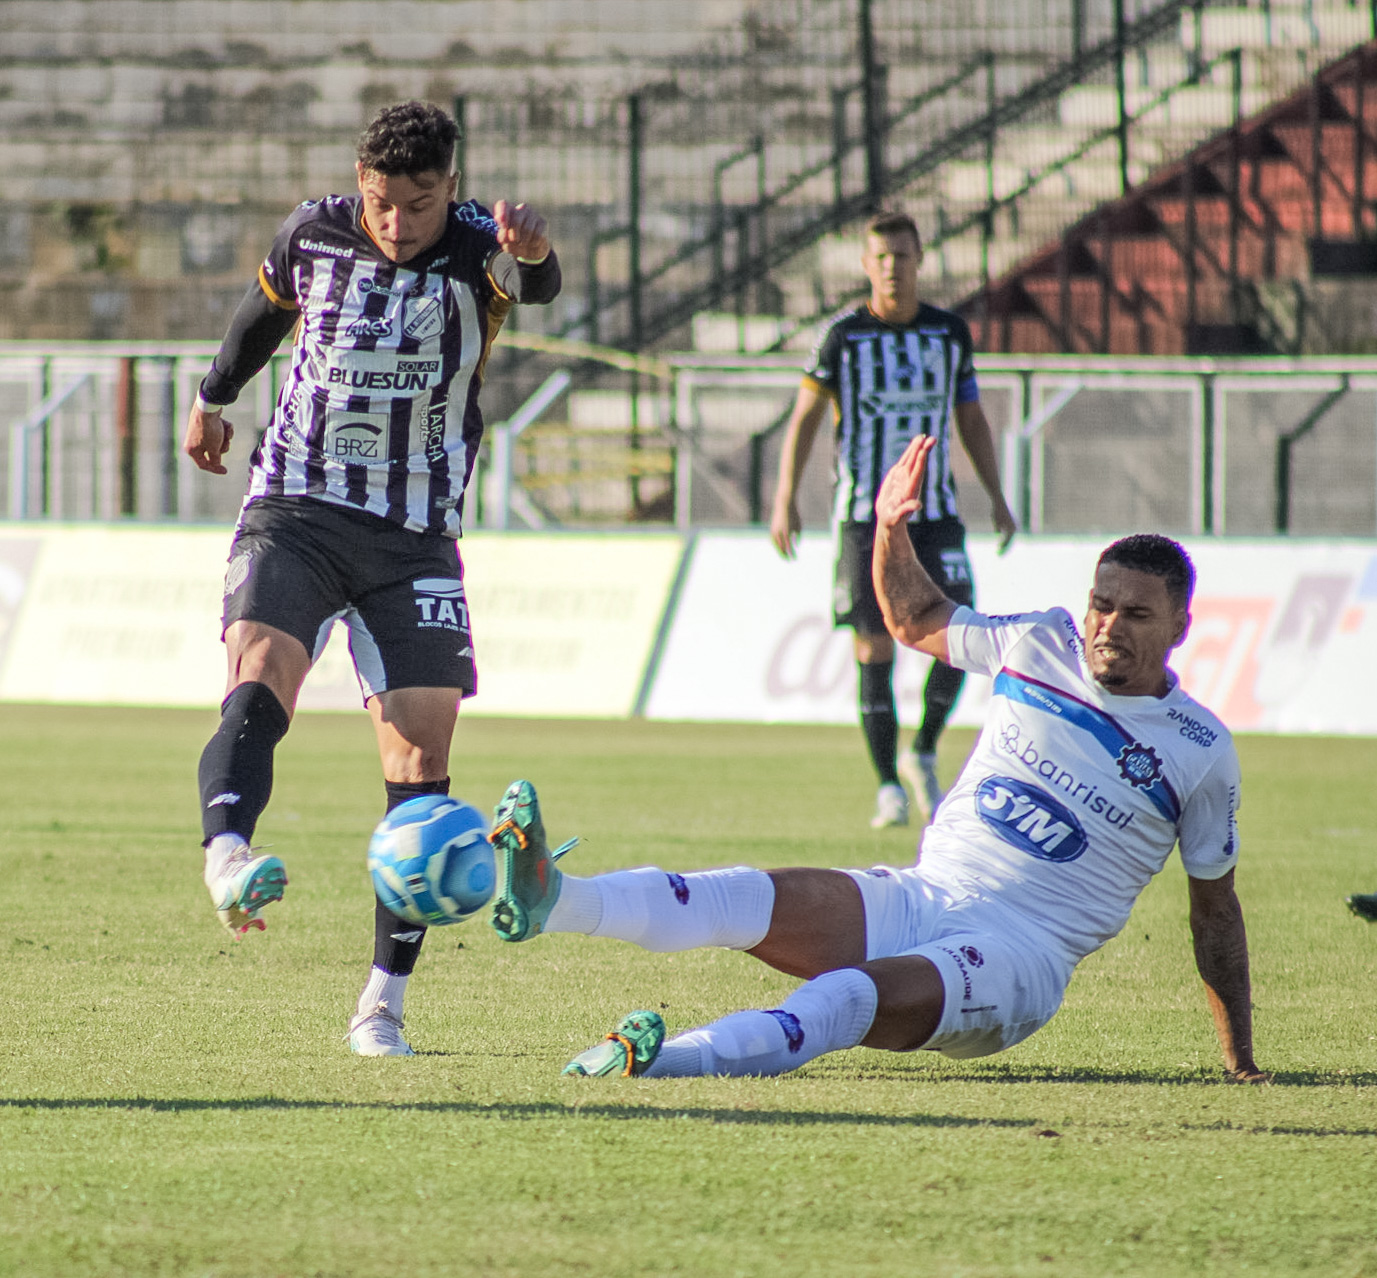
<point x="1002" y="982"/>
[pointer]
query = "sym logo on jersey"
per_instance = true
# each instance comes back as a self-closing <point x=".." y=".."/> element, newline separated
<point x="1030" y="819"/>
<point x="441" y="603"/>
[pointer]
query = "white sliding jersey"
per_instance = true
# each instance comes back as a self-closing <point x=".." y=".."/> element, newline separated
<point x="1073" y="797"/>
<point x="379" y="411"/>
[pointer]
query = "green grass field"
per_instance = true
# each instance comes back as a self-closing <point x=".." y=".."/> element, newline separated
<point x="174" y="1103"/>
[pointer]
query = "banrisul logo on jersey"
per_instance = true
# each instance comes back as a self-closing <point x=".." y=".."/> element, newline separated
<point x="1030" y="819"/>
<point x="441" y="603"/>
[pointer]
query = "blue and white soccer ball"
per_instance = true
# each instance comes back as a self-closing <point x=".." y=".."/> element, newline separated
<point x="431" y="861"/>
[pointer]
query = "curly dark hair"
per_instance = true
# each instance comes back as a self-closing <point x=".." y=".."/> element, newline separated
<point x="406" y="139"/>
<point x="1158" y="555"/>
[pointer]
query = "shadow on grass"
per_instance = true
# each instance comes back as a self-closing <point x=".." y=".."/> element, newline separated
<point x="1155" y="1078"/>
<point x="531" y="1110"/>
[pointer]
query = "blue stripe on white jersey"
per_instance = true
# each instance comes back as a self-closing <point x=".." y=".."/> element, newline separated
<point x="1102" y="728"/>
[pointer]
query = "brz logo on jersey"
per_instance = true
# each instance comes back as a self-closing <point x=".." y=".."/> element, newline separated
<point x="367" y="326"/>
<point x="1139" y="765"/>
<point x="425" y="317"/>
<point x="1030" y="819"/>
<point x="441" y="603"/>
<point x="356" y="441"/>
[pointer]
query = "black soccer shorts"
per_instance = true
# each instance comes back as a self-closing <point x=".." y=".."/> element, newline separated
<point x="941" y="548"/>
<point x="300" y="564"/>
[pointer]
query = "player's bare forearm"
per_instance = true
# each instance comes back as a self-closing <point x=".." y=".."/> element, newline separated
<point x="1221" y="955"/>
<point x="915" y="610"/>
<point x="978" y="440"/>
<point x="810" y="406"/>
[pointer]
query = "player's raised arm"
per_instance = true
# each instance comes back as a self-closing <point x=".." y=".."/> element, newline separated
<point x="915" y="610"/>
<point x="1221" y="955"/>
<point x="525" y="267"/>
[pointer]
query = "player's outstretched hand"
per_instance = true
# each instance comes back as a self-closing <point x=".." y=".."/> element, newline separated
<point x="898" y="496"/>
<point x="207" y="440"/>
<point x="521" y="231"/>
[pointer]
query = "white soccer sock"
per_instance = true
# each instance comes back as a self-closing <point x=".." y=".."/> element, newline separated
<point x="668" y="912"/>
<point x="383" y="987"/>
<point x="218" y="851"/>
<point x="831" y="1012"/>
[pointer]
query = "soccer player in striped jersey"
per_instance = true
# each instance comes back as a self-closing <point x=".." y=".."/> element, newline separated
<point x="356" y="493"/>
<point x="892" y="369"/>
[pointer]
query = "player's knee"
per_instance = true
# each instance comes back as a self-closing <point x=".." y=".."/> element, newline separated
<point x="261" y="654"/>
<point x="872" y="648"/>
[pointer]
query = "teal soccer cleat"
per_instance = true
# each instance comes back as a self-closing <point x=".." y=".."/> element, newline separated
<point x="241" y="885"/>
<point x="528" y="881"/>
<point x="629" y="1050"/>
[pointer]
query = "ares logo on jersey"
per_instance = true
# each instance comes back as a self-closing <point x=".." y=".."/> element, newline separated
<point x="1030" y="819"/>
<point x="441" y="603"/>
<point x="368" y="326"/>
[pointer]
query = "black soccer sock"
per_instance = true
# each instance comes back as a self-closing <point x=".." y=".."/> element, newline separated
<point x="878" y="720"/>
<point x="939" y="696"/>
<point x="397" y="942"/>
<point x="236" y="771"/>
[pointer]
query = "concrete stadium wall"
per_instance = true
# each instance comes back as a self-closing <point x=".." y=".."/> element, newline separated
<point x="713" y="627"/>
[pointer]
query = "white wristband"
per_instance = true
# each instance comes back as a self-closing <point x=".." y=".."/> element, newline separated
<point x="532" y="261"/>
<point x="203" y="405"/>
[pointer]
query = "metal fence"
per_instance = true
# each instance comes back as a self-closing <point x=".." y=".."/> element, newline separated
<point x="1185" y="446"/>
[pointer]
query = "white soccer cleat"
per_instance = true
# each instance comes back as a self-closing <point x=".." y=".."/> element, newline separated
<point x="377" y="1033"/>
<point x="920" y="771"/>
<point x="891" y="807"/>
<point x="240" y="884"/>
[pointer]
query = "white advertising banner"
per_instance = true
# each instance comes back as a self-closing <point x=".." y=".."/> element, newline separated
<point x="1284" y="636"/>
<point x="111" y="616"/>
<point x="563" y="624"/>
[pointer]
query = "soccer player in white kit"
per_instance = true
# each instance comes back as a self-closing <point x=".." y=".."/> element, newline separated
<point x="1092" y="765"/>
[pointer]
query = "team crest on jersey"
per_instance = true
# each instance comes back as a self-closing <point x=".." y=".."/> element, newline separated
<point x="1139" y="765"/>
<point x="425" y="318"/>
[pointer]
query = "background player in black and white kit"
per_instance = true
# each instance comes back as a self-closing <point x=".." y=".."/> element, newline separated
<point x="892" y="369"/>
<point x="356" y="493"/>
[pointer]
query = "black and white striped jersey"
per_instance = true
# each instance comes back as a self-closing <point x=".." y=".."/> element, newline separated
<point x="892" y="382"/>
<point x="379" y="410"/>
